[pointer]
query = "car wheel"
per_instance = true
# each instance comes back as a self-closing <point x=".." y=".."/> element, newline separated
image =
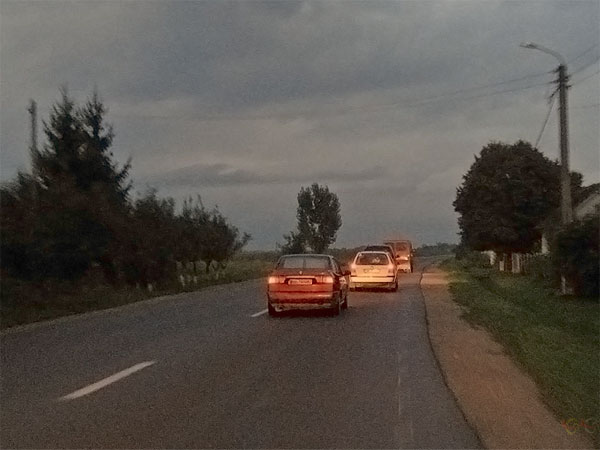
<point x="272" y="311"/>
<point x="337" y="308"/>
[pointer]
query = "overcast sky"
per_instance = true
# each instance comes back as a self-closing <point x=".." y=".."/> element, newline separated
<point x="245" y="102"/>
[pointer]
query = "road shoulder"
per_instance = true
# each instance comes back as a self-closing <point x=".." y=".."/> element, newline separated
<point x="127" y="307"/>
<point x="498" y="399"/>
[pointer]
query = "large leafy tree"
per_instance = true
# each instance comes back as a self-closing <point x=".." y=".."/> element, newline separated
<point x="506" y="194"/>
<point x="319" y="220"/>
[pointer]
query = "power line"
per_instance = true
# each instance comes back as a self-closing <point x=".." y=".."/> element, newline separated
<point x="585" y="52"/>
<point x="434" y="99"/>
<point x="586" y="66"/>
<point x="523" y="88"/>
<point x="460" y="91"/>
<point x="552" y="98"/>
<point x="586" y="77"/>
<point x="365" y="108"/>
<point x="591" y="105"/>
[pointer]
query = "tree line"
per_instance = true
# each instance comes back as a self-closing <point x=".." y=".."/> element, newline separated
<point x="510" y="196"/>
<point x="74" y="212"/>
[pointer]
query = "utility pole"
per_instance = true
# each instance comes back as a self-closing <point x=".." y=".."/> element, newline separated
<point x="566" y="210"/>
<point x="33" y="112"/>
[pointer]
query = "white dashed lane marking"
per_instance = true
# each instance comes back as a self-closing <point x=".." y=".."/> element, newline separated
<point x="106" y="381"/>
<point x="260" y="313"/>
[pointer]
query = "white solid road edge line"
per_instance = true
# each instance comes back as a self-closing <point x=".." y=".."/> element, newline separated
<point x="106" y="381"/>
<point x="260" y="313"/>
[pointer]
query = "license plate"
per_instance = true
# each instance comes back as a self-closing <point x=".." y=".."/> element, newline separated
<point x="301" y="281"/>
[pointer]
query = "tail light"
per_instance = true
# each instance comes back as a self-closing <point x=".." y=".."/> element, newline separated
<point x="328" y="280"/>
<point x="276" y="280"/>
<point x="390" y="269"/>
<point x="353" y="269"/>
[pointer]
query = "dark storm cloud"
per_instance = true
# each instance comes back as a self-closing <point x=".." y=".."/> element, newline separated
<point x="232" y="55"/>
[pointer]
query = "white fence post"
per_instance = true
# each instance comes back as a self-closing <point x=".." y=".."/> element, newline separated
<point x="516" y="263"/>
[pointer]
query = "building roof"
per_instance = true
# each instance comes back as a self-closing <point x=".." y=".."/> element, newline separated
<point x="590" y="204"/>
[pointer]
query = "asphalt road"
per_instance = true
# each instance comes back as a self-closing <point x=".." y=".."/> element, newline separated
<point x="206" y="370"/>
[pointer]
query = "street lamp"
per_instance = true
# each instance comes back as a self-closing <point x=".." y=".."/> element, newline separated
<point x="545" y="50"/>
<point x="566" y="211"/>
<point x="565" y="179"/>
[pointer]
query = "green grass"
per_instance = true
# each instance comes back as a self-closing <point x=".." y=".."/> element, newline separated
<point x="555" y="339"/>
<point x="22" y="302"/>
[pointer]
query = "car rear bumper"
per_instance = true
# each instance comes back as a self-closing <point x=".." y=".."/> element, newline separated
<point x="404" y="266"/>
<point x="279" y="307"/>
<point x="285" y="301"/>
<point x="357" y="282"/>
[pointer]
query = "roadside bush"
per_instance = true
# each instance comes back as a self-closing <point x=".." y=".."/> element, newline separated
<point x="472" y="259"/>
<point x="576" y="254"/>
<point x="476" y="263"/>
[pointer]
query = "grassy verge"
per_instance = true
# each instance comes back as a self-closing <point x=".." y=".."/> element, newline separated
<point x="555" y="339"/>
<point x="23" y="302"/>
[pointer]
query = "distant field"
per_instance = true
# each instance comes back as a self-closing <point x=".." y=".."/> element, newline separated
<point x="555" y="339"/>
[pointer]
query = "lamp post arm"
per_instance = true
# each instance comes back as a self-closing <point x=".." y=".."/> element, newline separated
<point x="541" y="48"/>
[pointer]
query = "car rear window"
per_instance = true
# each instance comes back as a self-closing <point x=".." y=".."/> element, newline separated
<point x="372" y="259"/>
<point x="378" y="248"/>
<point x="304" y="262"/>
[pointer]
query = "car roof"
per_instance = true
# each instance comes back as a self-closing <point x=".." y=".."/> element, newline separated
<point x="372" y="251"/>
<point x="307" y="254"/>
